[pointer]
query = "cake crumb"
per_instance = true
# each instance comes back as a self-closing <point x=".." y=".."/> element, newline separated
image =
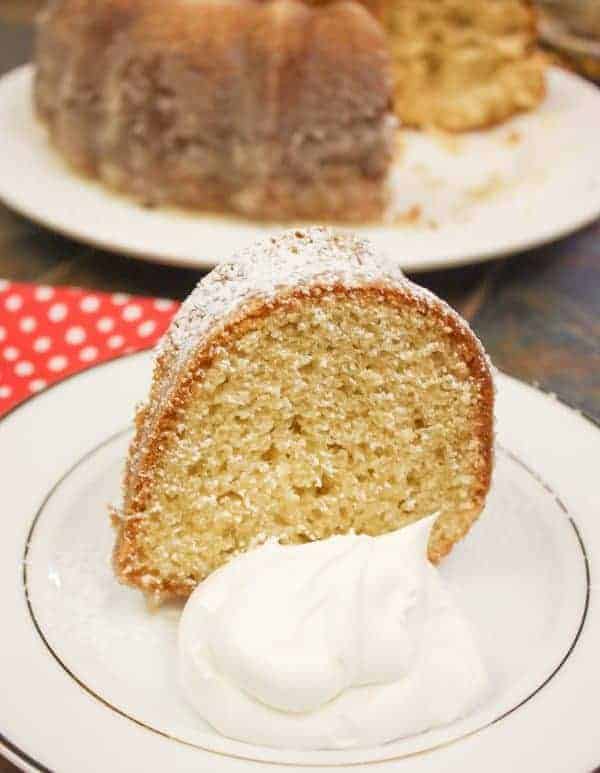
<point x="411" y="216"/>
<point x="488" y="188"/>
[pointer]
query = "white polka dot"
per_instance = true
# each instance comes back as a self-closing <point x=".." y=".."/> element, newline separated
<point x="13" y="302"/>
<point x="105" y="324"/>
<point x="89" y="304"/>
<point x="24" y="368"/>
<point x="2" y="333"/>
<point x="4" y="285"/>
<point x="43" y="293"/>
<point x="88" y="353"/>
<point x="28" y="324"/>
<point x="163" y="304"/>
<point x="57" y="312"/>
<point x="5" y="391"/>
<point x="131" y="313"/>
<point x="146" y="328"/>
<point x="115" y="341"/>
<point x="11" y="353"/>
<point x="42" y="344"/>
<point x="75" y="335"/>
<point x="37" y="384"/>
<point x="120" y="299"/>
<point x="57" y="363"/>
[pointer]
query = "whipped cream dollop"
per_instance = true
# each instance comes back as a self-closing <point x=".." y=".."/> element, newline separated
<point x="350" y="641"/>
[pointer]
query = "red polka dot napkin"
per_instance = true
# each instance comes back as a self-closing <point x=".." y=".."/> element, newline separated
<point x="48" y="333"/>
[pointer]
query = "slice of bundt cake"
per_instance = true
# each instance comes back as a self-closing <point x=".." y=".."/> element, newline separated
<point x="304" y="389"/>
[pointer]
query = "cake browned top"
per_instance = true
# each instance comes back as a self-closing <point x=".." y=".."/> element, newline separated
<point x="276" y="110"/>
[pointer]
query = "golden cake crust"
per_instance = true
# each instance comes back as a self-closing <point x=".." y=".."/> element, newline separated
<point x="272" y="110"/>
<point x="178" y="367"/>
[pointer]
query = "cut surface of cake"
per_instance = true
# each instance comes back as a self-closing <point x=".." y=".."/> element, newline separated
<point x="463" y="64"/>
<point x="304" y="389"/>
<point x="273" y="110"/>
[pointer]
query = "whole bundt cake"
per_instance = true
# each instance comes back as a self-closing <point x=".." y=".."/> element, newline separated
<point x="304" y="389"/>
<point x="274" y="110"/>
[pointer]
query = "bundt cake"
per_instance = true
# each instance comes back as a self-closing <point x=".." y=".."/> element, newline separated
<point x="274" y="110"/>
<point x="304" y="389"/>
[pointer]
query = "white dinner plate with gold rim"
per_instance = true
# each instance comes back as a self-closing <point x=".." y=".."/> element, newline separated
<point x="460" y="199"/>
<point x="87" y="672"/>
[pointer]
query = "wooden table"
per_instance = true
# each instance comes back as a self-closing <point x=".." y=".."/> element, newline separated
<point x="538" y="313"/>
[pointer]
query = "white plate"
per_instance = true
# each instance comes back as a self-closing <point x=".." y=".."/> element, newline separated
<point x="479" y="195"/>
<point x="87" y="672"/>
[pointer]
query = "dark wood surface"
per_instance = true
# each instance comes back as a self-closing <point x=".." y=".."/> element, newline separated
<point x="538" y="313"/>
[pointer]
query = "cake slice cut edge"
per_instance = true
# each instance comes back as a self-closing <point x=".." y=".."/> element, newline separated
<point x="305" y="389"/>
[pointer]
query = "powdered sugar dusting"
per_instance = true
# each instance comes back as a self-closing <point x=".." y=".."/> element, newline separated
<point x="298" y="260"/>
